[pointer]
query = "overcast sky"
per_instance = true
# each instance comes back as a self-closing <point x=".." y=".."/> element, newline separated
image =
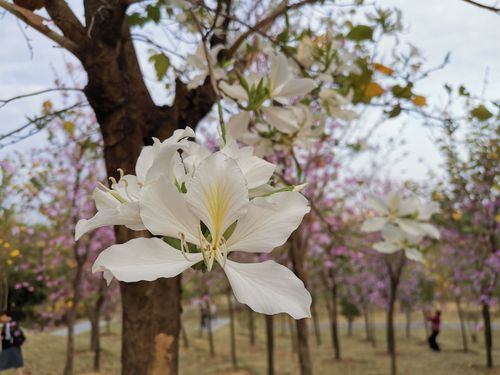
<point x="471" y="34"/>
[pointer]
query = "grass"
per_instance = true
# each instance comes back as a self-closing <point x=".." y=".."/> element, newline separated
<point x="44" y="354"/>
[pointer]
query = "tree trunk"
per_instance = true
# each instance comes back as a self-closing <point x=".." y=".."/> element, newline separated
<point x="209" y="329"/>
<point x="71" y="318"/>
<point x="334" y="322"/>
<point x="185" y="340"/>
<point x="297" y="254"/>
<point x="317" y="330"/>
<point x="488" y="338"/>
<point x="293" y="335"/>
<point x="408" y="322"/>
<point x="128" y="118"/>
<point x="349" y="327"/>
<point x="367" y="323"/>
<point x="232" y="335"/>
<point x="462" y="325"/>
<point x="270" y="344"/>
<point x="4" y="290"/>
<point x="251" y="326"/>
<point x="426" y="324"/>
<point x="394" y="277"/>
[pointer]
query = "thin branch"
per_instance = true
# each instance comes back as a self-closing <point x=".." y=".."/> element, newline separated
<point x="279" y="11"/>
<point x="37" y="122"/>
<point x="4" y="102"/>
<point x="484" y="6"/>
<point x="37" y="22"/>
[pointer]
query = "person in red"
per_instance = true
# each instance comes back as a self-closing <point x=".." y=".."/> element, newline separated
<point x="435" y="326"/>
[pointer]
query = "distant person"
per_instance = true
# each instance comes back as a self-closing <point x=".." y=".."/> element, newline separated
<point x="435" y="326"/>
<point x="11" y="356"/>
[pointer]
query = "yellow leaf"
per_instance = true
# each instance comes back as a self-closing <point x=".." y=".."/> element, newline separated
<point x="373" y="89"/>
<point x="456" y="215"/>
<point x="383" y="69"/>
<point x="419" y="100"/>
<point x="47" y="105"/>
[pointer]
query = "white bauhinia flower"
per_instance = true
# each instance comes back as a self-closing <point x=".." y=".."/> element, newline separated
<point x="282" y="87"/>
<point x="198" y="61"/>
<point x="407" y="213"/>
<point x="217" y="217"/>
<point x="395" y="239"/>
<point x="119" y="204"/>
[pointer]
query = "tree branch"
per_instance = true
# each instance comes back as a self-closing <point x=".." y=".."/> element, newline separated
<point x="4" y="102"/>
<point x="484" y="6"/>
<point x="37" y="22"/>
<point x="65" y="19"/>
<point x="281" y="9"/>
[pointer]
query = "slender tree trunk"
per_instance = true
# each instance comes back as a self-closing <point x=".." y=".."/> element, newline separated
<point x="372" y="328"/>
<point x="185" y="339"/>
<point x="367" y="323"/>
<point x="270" y="344"/>
<point x="349" y="327"/>
<point x="4" y="290"/>
<point x="408" y="322"/>
<point x="71" y="318"/>
<point x="230" y="307"/>
<point x="297" y="254"/>
<point x="95" y="318"/>
<point x="209" y="330"/>
<point x="488" y="337"/>
<point x="317" y="330"/>
<point x="462" y="325"/>
<point x="426" y="324"/>
<point x="334" y="322"/>
<point x="293" y="335"/>
<point x="251" y="326"/>
<point x="394" y="277"/>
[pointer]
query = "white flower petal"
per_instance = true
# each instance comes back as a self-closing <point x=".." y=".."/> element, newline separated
<point x="414" y="254"/>
<point x="282" y="119"/>
<point x="373" y="224"/>
<point x="269" y="288"/>
<point x="296" y="87"/>
<point x="411" y="227"/>
<point x="430" y="230"/>
<point x="164" y="211"/>
<point x="257" y="171"/>
<point x="269" y="222"/>
<point x="238" y="124"/>
<point x="143" y="259"/>
<point x="236" y="92"/>
<point x="218" y="193"/>
<point x="378" y="205"/>
<point x="279" y="72"/>
<point x="104" y="200"/>
<point x="386" y="247"/>
<point x="126" y="214"/>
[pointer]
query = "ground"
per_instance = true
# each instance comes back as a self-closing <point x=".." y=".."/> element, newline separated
<point x="44" y="352"/>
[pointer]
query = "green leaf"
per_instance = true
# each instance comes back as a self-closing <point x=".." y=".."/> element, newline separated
<point x="481" y="113"/>
<point x="394" y="112"/>
<point x="402" y="92"/>
<point x="154" y="13"/>
<point x="360" y="32"/>
<point x="161" y="63"/>
<point x="135" y="19"/>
